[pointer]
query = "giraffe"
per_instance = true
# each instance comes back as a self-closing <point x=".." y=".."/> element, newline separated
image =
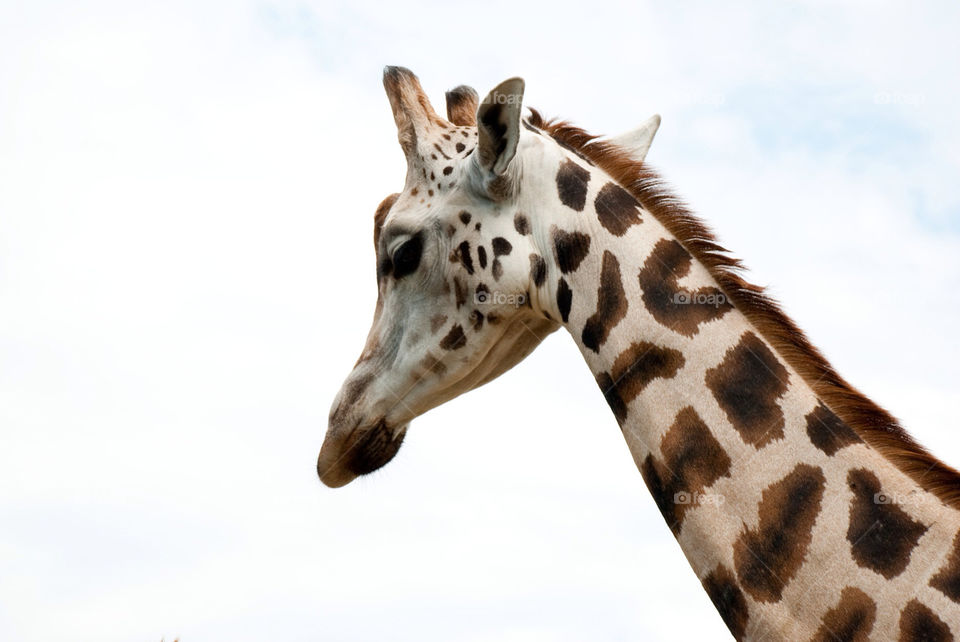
<point x="804" y="509"/>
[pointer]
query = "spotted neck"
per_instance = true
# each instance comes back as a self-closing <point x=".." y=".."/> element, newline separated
<point x="780" y="508"/>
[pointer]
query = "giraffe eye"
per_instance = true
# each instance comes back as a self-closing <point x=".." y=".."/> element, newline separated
<point x="406" y="258"/>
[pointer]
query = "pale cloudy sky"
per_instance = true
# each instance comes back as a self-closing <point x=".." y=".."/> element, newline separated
<point x="186" y="276"/>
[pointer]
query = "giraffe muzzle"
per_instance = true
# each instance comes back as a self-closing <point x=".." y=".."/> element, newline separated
<point x="363" y="450"/>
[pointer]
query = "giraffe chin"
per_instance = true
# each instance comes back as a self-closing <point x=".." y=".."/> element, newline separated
<point x="363" y="451"/>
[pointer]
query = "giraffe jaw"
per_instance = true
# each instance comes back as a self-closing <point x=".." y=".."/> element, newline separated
<point x="363" y="450"/>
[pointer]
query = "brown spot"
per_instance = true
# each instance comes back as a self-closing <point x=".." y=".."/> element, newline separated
<point x="352" y="391"/>
<point x="482" y="293"/>
<point x="496" y="269"/>
<point x="482" y="256"/>
<point x="918" y="623"/>
<point x="501" y="246"/>
<point x="436" y="322"/>
<point x="455" y="339"/>
<point x="564" y="299"/>
<point x="851" y="620"/>
<point x="767" y="558"/>
<point x="748" y="384"/>
<point x="721" y="587"/>
<point x="476" y="319"/>
<point x="611" y="304"/>
<point x="572" y="185"/>
<point x="680" y="310"/>
<point x="881" y="534"/>
<point x="569" y="249"/>
<point x="432" y="364"/>
<point x="463" y="254"/>
<point x="693" y="460"/>
<point x="447" y="170"/>
<point x="947" y="580"/>
<point x="460" y="147"/>
<point x="617" y="209"/>
<point x="635" y="368"/>
<point x="464" y="217"/>
<point x="460" y="292"/>
<point x="538" y="269"/>
<point x="521" y="224"/>
<point x="828" y="432"/>
<point x="609" y="389"/>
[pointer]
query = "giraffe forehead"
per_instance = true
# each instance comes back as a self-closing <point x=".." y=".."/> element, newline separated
<point x="443" y="148"/>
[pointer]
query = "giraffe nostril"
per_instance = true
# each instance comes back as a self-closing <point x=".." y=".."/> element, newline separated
<point x="357" y="452"/>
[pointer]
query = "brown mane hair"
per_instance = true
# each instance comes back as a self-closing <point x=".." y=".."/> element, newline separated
<point x="871" y="422"/>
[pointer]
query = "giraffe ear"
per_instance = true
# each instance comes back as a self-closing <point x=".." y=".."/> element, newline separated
<point x="462" y="104"/>
<point x="498" y="126"/>
<point x="636" y="142"/>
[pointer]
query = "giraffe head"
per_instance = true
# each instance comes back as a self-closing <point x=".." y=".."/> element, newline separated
<point x="460" y="269"/>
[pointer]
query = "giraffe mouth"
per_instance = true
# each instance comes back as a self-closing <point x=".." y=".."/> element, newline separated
<point x="363" y="451"/>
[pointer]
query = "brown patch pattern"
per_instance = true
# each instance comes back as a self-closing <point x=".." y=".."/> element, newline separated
<point x="768" y="557"/>
<point x="436" y="322"/>
<point x="748" y="384"/>
<point x="678" y="309"/>
<point x="851" y="620"/>
<point x="463" y="255"/>
<point x="871" y="422"/>
<point x="432" y="364"/>
<point x="617" y="209"/>
<point x="721" y="586"/>
<point x="564" y="299"/>
<point x="947" y="579"/>
<point x="455" y="339"/>
<point x="828" y="432"/>
<point x="611" y="304"/>
<point x="538" y="269"/>
<point x="919" y="624"/>
<point x="693" y="460"/>
<point x="881" y="534"/>
<point x="572" y="185"/>
<point x="569" y="249"/>
<point x="521" y="224"/>
<point x="633" y="370"/>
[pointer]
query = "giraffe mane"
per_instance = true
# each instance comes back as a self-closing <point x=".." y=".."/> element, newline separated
<point x="872" y="423"/>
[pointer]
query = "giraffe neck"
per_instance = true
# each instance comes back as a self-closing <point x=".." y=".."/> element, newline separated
<point x="794" y="525"/>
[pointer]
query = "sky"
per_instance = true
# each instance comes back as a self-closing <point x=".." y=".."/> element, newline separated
<point x="186" y="277"/>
